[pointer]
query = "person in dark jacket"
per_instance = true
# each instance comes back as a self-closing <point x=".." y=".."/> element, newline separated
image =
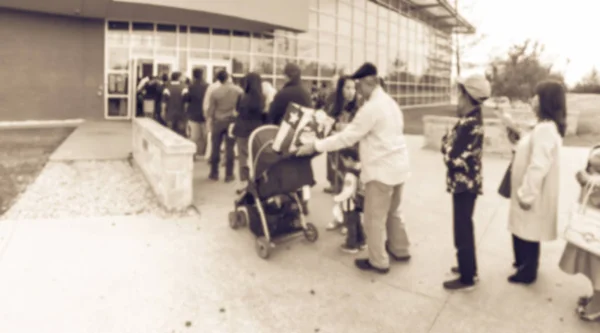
<point x="292" y="91"/>
<point x="250" y="110"/>
<point x="196" y="121"/>
<point x="174" y="104"/>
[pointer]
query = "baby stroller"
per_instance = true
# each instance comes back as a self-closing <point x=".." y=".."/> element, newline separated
<point x="270" y="204"/>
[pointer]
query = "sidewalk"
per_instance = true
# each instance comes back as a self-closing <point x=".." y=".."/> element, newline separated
<point x="132" y="274"/>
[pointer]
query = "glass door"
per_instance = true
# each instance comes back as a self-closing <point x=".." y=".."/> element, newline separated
<point x="141" y="72"/>
<point x="165" y="66"/>
<point x="210" y="67"/>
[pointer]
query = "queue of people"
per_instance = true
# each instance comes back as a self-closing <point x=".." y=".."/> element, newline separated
<point x="371" y="181"/>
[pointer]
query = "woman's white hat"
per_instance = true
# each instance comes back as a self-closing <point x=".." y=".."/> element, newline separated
<point x="477" y="86"/>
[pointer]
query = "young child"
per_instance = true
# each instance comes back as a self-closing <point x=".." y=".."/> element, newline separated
<point x="591" y="174"/>
<point x="350" y="200"/>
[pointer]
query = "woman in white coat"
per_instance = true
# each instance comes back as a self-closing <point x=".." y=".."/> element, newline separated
<point x="533" y="212"/>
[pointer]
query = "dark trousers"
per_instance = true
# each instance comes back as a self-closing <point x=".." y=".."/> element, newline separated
<point x="218" y="134"/>
<point x="334" y="175"/>
<point x="356" y="234"/>
<point x="527" y="256"/>
<point x="177" y="124"/>
<point x="464" y="236"/>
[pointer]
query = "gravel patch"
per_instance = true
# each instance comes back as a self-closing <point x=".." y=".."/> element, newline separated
<point x="89" y="189"/>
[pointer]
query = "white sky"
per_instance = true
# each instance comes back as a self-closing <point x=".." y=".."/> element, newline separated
<point x="567" y="28"/>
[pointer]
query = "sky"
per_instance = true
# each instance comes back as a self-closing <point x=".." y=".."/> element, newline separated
<point x="566" y="28"/>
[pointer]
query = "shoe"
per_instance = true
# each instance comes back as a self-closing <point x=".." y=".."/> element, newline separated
<point x="213" y="176"/>
<point x="365" y="265"/>
<point x="589" y="317"/>
<point x="455" y="270"/>
<point x="458" y="285"/>
<point x="395" y="257"/>
<point x="229" y="179"/>
<point x="333" y="225"/>
<point x="344" y="231"/>
<point x="362" y="247"/>
<point x="522" y="279"/>
<point x="347" y="249"/>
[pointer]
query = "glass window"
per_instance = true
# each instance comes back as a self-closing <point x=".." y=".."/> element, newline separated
<point x="314" y="4"/>
<point x="344" y="27"/>
<point x="383" y="14"/>
<point x="344" y="41"/>
<point x="326" y="23"/>
<point x="371" y="21"/>
<point x="280" y="82"/>
<point x="143" y="34"/>
<point x="326" y="37"/>
<point x="358" y="32"/>
<point x="200" y="38"/>
<point x="371" y="53"/>
<point x="166" y="35"/>
<point x="359" y="15"/>
<point x="382" y="38"/>
<point x="313" y="21"/>
<point x="262" y="43"/>
<point x="286" y="45"/>
<point x="262" y="64"/>
<point x="118" y="34"/>
<point x="199" y="54"/>
<point x="327" y="69"/>
<point x="118" y="25"/>
<point x="372" y="7"/>
<point x="118" y="84"/>
<point x="344" y="56"/>
<point x="382" y="64"/>
<point x="183" y="61"/>
<point x="220" y="55"/>
<point x="183" y="36"/>
<point x="327" y="6"/>
<point x="220" y="40"/>
<point x="241" y="41"/>
<point x="280" y="64"/>
<point x="359" y="3"/>
<point x="326" y="53"/>
<point x="344" y="11"/>
<point x="358" y="54"/>
<point x="117" y="107"/>
<point x="240" y="63"/>
<point x="307" y="49"/>
<point x="371" y="35"/>
<point x="118" y="58"/>
<point x="309" y="67"/>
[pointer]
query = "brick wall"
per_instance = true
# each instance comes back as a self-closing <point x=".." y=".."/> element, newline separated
<point x="52" y="66"/>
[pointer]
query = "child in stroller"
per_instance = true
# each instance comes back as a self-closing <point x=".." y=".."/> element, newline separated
<point x="270" y="204"/>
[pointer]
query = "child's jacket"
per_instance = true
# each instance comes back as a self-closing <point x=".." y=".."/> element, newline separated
<point x="350" y="198"/>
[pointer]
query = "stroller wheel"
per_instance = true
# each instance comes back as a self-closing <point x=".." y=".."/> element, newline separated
<point x="234" y="220"/>
<point x="262" y="247"/>
<point x="242" y="217"/>
<point x="311" y="233"/>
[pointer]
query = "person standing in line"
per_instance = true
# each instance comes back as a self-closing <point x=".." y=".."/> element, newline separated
<point x="175" y="104"/>
<point x="250" y="116"/>
<point x="292" y="92"/>
<point x="462" y="151"/>
<point x="221" y="115"/>
<point x="197" y="122"/>
<point x="269" y="93"/>
<point x="378" y="127"/>
<point x="205" y="106"/>
<point x="535" y="181"/>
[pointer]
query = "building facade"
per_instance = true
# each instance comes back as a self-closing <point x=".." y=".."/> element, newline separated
<point x="72" y="62"/>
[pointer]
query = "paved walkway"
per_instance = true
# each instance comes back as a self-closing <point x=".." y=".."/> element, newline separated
<point x="129" y="274"/>
<point x="96" y="140"/>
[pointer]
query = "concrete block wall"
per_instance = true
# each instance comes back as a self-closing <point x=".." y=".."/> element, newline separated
<point x="167" y="161"/>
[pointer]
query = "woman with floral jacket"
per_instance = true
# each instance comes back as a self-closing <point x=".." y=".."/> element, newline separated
<point x="462" y="151"/>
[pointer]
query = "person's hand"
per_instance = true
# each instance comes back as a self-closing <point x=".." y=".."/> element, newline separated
<point x="306" y="150"/>
<point x="524" y="206"/>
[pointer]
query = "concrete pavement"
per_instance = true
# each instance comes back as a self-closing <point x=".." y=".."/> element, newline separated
<point x="131" y="274"/>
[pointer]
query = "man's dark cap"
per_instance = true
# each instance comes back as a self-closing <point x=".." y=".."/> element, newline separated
<point x="367" y="69"/>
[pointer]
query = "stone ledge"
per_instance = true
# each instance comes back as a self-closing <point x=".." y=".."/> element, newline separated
<point x="167" y="161"/>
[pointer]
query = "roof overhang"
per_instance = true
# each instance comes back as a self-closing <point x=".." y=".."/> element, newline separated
<point x="444" y="14"/>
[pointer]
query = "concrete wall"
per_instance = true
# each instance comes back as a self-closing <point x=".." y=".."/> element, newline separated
<point x="52" y="67"/>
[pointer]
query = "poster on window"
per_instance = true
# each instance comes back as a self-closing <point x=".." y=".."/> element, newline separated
<point x="300" y="126"/>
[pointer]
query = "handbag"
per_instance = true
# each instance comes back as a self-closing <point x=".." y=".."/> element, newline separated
<point x="583" y="230"/>
<point x="504" y="189"/>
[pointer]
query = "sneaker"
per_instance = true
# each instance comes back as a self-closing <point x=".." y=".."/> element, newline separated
<point x="455" y="270"/>
<point x="347" y="249"/>
<point x="344" y="231"/>
<point x="458" y="285"/>
<point x="213" y="176"/>
<point x="362" y="247"/>
<point x="333" y="225"/>
<point x="521" y="278"/>
<point x="229" y="179"/>
<point x="365" y="265"/>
